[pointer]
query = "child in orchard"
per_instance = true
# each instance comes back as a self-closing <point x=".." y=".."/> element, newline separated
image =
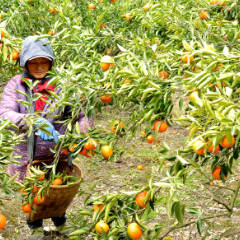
<point x="36" y="59"/>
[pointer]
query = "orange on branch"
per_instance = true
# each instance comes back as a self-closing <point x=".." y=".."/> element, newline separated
<point x="163" y="74"/>
<point x="134" y="231"/>
<point x="150" y="139"/>
<point x="91" y="144"/>
<point x="106" y="99"/>
<point x="107" y="151"/>
<point x="143" y="133"/>
<point x="196" y="145"/>
<point x="38" y="199"/>
<point x="57" y="181"/>
<point x="140" y="199"/>
<point x="204" y="15"/>
<point x="187" y="58"/>
<point x="216" y="150"/>
<point x="160" y="126"/>
<point x="42" y="176"/>
<point x="72" y="149"/>
<point x="104" y="62"/>
<point x="91" y="6"/>
<point x="100" y="207"/>
<point x="102" y="226"/>
<point x="216" y="173"/>
<point x="26" y="208"/>
<point x="224" y="143"/>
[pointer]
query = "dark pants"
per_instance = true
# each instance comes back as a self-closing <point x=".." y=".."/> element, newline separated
<point x="38" y="223"/>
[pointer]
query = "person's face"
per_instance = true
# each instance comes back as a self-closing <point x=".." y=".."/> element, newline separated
<point x="38" y="67"/>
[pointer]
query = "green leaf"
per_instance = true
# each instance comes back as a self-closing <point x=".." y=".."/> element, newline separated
<point x="178" y="212"/>
<point x="181" y="103"/>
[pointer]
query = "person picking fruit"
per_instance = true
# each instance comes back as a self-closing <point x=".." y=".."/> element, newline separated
<point x="36" y="59"/>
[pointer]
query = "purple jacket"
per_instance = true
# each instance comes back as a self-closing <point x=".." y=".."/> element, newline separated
<point x="14" y="111"/>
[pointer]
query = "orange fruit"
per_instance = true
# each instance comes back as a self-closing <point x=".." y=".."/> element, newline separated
<point x="143" y="133"/>
<point x="223" y="84"/>
<point x="105" y="66"/>
<point x="65" y="151"/>
<point x="2" y="34"/>
<point x="139" y="167"/>
<point x="42" y="176"/>
<point x="73" y="148"/>
<point x="107" y="151"/>
<point x="195" y="146"/>
<point x="186" y="58"/>
<point x="134" y="231"/>
<point x="150" y="139"/>
<point x="106" y="99"/>
<point x="90" y="154"/>
<point x="83" y="151"/>
<point x="2" y="221"/>
<point x="15" y="55"/>
<point x="203" y="15"/>
<point x="194" y="95"/>
<point x="211" y="184"/>
<point x="102" y="226"/>
<point x="22" y="191"/>
<point x="100" y="207"/>
<point x="216" y="173"/>
<point x="52" y="10"/>
<point x="1" y="45"/>
<point x="157" y="41"/>
<point x="140" y="199"/>
<point x="91" y="6"/>
<point x="216" y="150"/>
<point x="26" y="208"/>
<point x="126" y="81"/>
<point x="162" y="127"/>
<point x="52" y="32"/>
<point x="218" y="67"/>
<point x="147" y="6"/>
<point x="38" y="199"/>
<point x="57" y="181"/>
<point x="224" y="143"/>
<point x="35" y="189"/>
<point x="221" y="4"/>
<point x="128" y="17"/>
<point x="115" y="125"/>
<point x="91" y="144"/>
<point x="163" y="74"/>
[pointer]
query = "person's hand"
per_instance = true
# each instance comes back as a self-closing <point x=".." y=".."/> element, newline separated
<point x="51" y="129"/>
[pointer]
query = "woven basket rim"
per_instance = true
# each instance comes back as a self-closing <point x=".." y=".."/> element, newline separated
<point x="61" y="160"/>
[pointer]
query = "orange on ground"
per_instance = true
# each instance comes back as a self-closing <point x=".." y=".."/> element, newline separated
<point x="42" y="176"/>
<point x="211" y="183"/>
<point x="107" y="151"/>
<point x="195" y="146"/>
<point x="105" y="66"/>
<point x="100" y="207"/>
<point x="91" y="144"/>
<point x="139" y="167"/>
<point x="162" y="127"/>
<point x="203" y="15"/>
<point x="91" y="6"/>
<point x="216" y="173"/>
<point x="140" y="199"/>
<point x="106" y="99"/>
<point x="38" y="199"/>
<point x="65" y="151"/>
<point x="134" y="231"/>
<point x="150" y="139"/>
<point x="163" y="74"/>
<point x="57" y="181"/>
<point x="26" y="208"/>
<point x="217" y="149"/>
<point x="2" y="221"/>
<point x="73" y="147"/>
<point x="224" y="143"/>
<point x="143" y="133"/>
<point x="102" y="226"/>
<point x="185" y="58"/>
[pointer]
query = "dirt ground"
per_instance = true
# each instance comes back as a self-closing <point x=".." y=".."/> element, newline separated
<point x="115" y="176"/>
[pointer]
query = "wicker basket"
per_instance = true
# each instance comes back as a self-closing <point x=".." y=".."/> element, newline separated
<point x="60" y="196"/>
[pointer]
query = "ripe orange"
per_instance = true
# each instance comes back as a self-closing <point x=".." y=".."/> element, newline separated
<point x="126" y="81"/>
<point x="15" y="55"/>
<point x="140" y="199"/>
<point x="139" y="167"/>
<point x="2" y="221"/>
<point x="221" y="4"/>
<point x="211" y="184"/>
<point x="22" y="191"/>
<point x="52" y="32"/>
<point x="100" y="207"/>
<point x="224" y="143"/>
<point x="195" y="146"/>
<point x="38" y="199"/>
<point x="115" y="125"/>
<point x="112" y="0"/>
<point x="102" y="226"/>
<point x="143" y="133"/>
<point x="52" y="10"/>
<point x="134" y="231"/>
<point x="162" y="127"/>
<point x="91" y="144"/>
<point x="73" y="147"/>
<point x="223" y="84"/>
<point x="91" y="6"/>
<point x="90" y="154"/>
<point x="42" y="176"/>
<point x="35" y="189"/>
<point x="217" y="149"/>
<point x="203" y="15"/>
<point x="106" y="99"/>
<point x="2" y="34"/>
<point x="163" y="74"/>
<point x="107" y="151"/>
<point x="216" y="173"/>
<point x="1" y="45"/>
<point x="213" y="1"/>
<point x="26" y="208"/>
<point x="150" y="139"/>
<point x="105" y="66"/>
<point x="194" y="95"/>
<point x="57" y="181"/>
<point x="128" y="17"/>
<point x="157" y="41"/>
<point x="147" y="6"/>
<point x="83" y="151"/>
<point x="186" y="58"/>
<point x="65" y="151"/>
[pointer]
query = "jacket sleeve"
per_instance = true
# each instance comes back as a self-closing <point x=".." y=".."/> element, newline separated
<point x="84" y="122"/>
<point x="9" y="106"/>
